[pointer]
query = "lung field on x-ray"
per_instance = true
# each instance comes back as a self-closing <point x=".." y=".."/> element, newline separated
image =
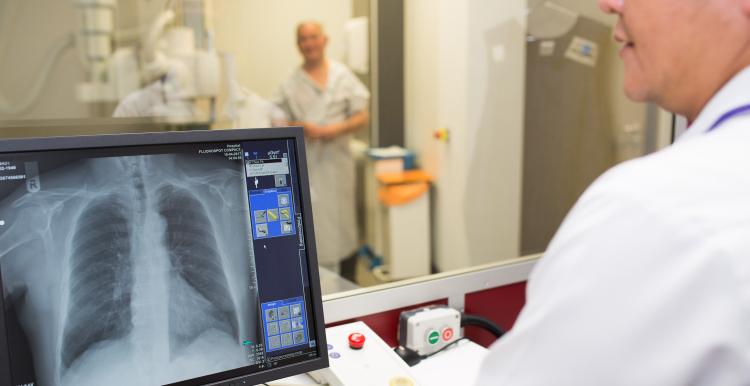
<point x="196" y="263"/>
<point x="101" y="278"/>
<point x="148" y="260"/>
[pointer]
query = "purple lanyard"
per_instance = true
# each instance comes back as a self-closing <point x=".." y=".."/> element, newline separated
<point x="730" y="114"/>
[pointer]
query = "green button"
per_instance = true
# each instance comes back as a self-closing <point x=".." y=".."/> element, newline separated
<point x="433" y="337"/>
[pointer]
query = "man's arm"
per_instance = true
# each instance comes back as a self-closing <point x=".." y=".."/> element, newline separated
<point x="352" y="124"/>
<point x="281" y="114"/>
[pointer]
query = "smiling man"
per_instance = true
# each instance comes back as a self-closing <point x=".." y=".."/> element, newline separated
<point x="330" y="103"/>
<point x="647" y="281"/>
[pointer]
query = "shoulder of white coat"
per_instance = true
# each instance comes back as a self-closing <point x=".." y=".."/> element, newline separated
<point x="631" y="202"/>
<point x="702" y="181"/>
<point x="649" y="180"/>
<point x="640" y="191"/>
<point x="139" y="103"/>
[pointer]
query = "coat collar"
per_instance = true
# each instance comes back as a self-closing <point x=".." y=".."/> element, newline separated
<point x="734" y="94"/>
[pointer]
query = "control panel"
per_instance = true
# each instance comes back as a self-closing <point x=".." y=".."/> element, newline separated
<point x="429" y="329"/>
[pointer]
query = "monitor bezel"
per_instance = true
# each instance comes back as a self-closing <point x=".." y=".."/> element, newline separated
<point x="188" y="137"/>
<point x="5" y="379"/>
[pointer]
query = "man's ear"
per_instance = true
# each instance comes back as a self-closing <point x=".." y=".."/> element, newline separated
<point x="745" y="7"/>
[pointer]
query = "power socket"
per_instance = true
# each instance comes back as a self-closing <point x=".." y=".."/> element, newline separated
<point x="429" y="329"/>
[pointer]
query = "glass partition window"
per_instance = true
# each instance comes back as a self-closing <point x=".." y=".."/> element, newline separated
<point x="530" y="94"/>
<point x="510" y="109"/>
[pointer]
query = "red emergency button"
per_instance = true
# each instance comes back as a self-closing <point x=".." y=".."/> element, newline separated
<point x="356" y="341"/>
<point x="447" y="334"/>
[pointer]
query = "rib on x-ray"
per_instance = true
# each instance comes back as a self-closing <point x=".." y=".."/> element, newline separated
<point x="101" y="278"/>
<point x="136" y="270"/>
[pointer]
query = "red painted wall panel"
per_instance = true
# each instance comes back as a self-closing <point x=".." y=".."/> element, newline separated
<point x="501" y="305"/>
<point x="385" y="324"/>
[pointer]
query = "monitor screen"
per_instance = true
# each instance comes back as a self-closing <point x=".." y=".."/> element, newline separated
<point x="154" y="259"/>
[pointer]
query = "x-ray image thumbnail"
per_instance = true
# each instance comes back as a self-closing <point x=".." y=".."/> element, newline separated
<point x="130" y="270"/>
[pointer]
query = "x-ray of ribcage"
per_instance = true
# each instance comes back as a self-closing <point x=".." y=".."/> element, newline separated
<point x="134" y="270"/>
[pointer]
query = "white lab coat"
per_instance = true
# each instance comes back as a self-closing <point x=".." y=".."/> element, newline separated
<point x="647" y="281"/>
<point x="247" y="109"/>
<point x="330" y="163"/>
<point x="155" y="100"/>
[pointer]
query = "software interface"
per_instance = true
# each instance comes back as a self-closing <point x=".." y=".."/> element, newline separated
<point x="153" y="265"/>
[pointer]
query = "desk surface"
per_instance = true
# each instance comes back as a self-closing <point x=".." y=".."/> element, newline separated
<point x="454" y="366"/>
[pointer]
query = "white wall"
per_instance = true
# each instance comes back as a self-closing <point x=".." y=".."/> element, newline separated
<point x="261" y="35"/>
<point x="492" y="201"/>
<point x="477" y="208"/>
<point x="28" y="30"/>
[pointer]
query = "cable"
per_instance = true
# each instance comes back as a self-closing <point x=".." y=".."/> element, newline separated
<point x="446" y="346"/>
<point x="412" y="358"/>
<point x="486" y="324"/>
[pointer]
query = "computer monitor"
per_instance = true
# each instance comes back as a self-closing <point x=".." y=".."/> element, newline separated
<point x="183" y="258"/>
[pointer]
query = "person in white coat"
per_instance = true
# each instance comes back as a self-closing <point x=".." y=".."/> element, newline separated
<point x="647" y="281"/>
<point x="163" y="97"/>
<point x="330" y="103"/>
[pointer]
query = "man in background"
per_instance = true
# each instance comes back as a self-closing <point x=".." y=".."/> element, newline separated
<point x="330" y="103"/>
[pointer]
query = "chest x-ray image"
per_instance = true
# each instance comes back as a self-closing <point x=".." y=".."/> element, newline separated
<point x="133" y="270"/>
